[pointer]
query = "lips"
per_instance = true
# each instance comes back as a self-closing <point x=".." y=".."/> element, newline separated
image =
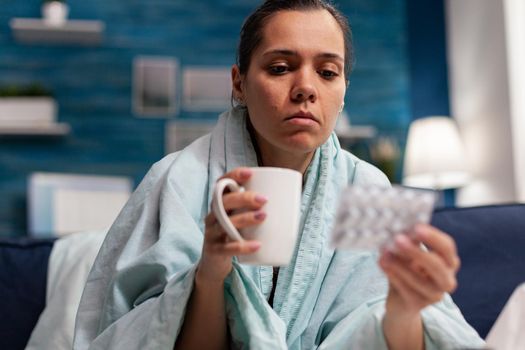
<point x="303" y="115"/>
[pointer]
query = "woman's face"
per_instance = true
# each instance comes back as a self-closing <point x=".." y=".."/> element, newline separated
<point x="295" y="84"/>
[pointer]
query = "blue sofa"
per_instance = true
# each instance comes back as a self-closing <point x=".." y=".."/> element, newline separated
<point x="490" y="240"/>
<point x="491" y="245"/>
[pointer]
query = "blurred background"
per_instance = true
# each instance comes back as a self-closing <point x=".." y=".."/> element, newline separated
<point x="119" y="84"/>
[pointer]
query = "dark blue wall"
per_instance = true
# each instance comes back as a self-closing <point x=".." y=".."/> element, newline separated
<point x="93" y="84"/>
<point x="428" y="58"/>
<point x="428" y="64"/>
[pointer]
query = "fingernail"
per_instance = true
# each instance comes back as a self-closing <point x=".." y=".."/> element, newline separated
<point x="420" y="231"/>
<point x="246" y="172"/>
<point x="391" y="248"/>
<point x="402" y="241"/>
<point x="254" y="245"/>
<point x="260" y="215"/>
<point x="261" y="199"/>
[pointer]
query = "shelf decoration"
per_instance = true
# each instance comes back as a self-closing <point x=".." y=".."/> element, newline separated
<point x="55" y="28"/>
<point x="29" y="110"/>
<point x="54" y="12"/>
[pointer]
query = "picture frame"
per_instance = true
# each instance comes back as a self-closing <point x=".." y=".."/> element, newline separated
<point x="155" y="86"/>
<point x="206" y="88"/>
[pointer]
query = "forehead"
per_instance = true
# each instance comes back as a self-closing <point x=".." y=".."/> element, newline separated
<point x="312" y="30"/>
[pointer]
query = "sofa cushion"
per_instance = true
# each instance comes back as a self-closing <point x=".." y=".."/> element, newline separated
<point x="22" y="288"/>
<point x="69" y="265"/>
<point x="491" y="245"/>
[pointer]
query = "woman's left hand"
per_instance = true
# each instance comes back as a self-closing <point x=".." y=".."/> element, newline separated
<point x="418" y="278"/>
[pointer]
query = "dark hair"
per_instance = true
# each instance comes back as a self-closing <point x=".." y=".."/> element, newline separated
<point x="251" y="32"/>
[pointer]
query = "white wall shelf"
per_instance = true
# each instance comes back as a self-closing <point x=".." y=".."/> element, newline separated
<point x="56" y="129"/>
<point x="357" y="133"/>
<point x="36" y="31"/>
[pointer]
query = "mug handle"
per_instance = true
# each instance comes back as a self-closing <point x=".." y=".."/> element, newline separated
<point x="217" y="206"/>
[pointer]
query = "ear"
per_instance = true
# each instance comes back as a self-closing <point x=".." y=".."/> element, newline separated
<point x="237" y="83"/>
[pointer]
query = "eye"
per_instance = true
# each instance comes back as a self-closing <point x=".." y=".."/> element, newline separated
<point x="328" y="74"/>
<point x="278" y="69"/>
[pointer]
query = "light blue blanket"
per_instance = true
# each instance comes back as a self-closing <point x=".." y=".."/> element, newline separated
<point x="137" y="291"/>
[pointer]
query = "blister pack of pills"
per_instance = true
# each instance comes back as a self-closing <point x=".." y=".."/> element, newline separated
<point x="369" y="217"/>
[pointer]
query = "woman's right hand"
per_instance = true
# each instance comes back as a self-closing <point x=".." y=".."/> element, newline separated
<point x="218" y="249"/>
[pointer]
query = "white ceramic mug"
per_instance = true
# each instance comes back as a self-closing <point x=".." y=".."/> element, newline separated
<point x="278" y="232"/>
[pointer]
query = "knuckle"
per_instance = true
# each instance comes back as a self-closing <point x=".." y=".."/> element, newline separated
<point x="243" y="249"/>
<point x="421" y="255"/>
<point x="251" y="197"/>
<point x="239" y="221"/>
<point x="450" y="244"/>
<point x="456" y="264"/>
<point x="248" y="197"/>
<point x="452" y="285"/>
<point x="414" y="266"/>
<point x="226" y="176"/>
<point x="453" y="243"/>
<point x="238" y="171"/>
<point x="436" y="297"/>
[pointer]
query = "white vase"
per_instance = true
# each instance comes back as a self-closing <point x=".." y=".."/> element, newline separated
<point x="55" y="13"/>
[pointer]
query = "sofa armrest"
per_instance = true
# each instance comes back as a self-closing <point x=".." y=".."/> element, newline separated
<point x="23" y="276"/>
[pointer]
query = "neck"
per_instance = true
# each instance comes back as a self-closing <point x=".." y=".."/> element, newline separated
<point x="299" y="162"/>
<point x="267" y="156"/>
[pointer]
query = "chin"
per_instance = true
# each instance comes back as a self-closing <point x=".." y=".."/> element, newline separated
<point x="303" y="143"/>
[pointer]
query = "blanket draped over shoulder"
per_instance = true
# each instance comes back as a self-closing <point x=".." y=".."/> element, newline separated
<point x="139" y="286"/>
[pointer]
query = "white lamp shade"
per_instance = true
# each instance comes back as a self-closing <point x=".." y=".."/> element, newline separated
<point x="435" y="157"/>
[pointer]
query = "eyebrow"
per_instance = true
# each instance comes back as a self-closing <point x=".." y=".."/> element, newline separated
<point x="285" y="52"/>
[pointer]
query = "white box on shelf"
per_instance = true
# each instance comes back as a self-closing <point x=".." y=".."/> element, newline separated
<point x="27" y="111"/>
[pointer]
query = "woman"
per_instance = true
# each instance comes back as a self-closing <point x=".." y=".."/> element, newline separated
<point x="166" y="275"/>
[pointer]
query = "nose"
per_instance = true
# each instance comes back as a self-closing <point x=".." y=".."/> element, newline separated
<point x="304" y="88"/>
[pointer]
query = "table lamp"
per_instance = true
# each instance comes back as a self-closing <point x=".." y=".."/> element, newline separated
<point x="435" y="157"/>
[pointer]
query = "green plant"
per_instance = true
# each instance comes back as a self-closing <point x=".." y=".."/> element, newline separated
<point x="385" y="154"/>
<point x="31" y="90"/>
